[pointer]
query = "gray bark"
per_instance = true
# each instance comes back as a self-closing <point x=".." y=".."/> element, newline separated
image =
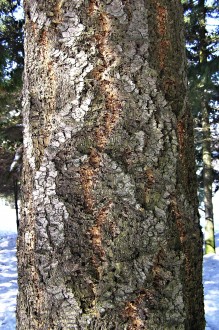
<point x="109" y="236"/>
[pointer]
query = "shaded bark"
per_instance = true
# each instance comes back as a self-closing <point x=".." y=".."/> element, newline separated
<point x="109" y="236"/>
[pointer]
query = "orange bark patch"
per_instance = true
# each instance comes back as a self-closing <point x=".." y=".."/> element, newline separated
<point x="44" y="39"/>
<point x="50" y="100"/>
<point x="92" y="7"/>
<point x="132" y="311"/>
<point x="95" y="158"/>
<point x="96" y="231"/>
<point x="160" y="275"/>
<point x="87" y="174"/>
<point x="101" y="138"/>
<point x="150" y="180"/>
<point x="161" y="20"/>
<point x="162" y="29"/>
<point x="178" y="217"/>
<point x="109" y="118"/>
<point x="34" y="28"/>
<point x="150" y="177"/>
<point x="163" y="49"/>
<point x="169" y="85"/>
<point x="45" y="102"/>
<point x="106" y="83"/>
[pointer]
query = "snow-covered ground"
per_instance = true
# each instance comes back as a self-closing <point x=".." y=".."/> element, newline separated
<point x="211" y="288"/>
<point x="8" y="276"/>
<point x="8" y="281"/>
<point x="8" y="267"/>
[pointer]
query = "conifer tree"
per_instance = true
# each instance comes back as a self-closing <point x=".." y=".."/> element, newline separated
<point x="11" y="68"/>
<point x="204" y="95"/>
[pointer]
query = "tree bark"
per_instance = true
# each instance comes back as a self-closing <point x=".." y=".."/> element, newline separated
<point x="109" y="236"/>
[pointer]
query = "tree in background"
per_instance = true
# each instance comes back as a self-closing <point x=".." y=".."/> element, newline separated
<point x="11" y="45"/>
<point x="109" y="236"/>
<point x="11" y="68"/>
<point x="202" y="48"/>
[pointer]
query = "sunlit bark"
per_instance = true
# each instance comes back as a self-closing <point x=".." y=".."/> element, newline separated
<point x="109" y="236"/>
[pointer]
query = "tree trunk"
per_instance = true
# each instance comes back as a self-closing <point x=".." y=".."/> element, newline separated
<point x="207" y="182"/>
<point x="16" y="194"/>
<point x="109" y="236"/>
<point x="206" y="133"/>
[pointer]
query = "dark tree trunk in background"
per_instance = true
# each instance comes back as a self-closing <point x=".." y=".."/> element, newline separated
<point x="16" y="190"/>
<point x="109" y="236"/>
<point x="206" y="133"/>
<point x="207" y="181"/>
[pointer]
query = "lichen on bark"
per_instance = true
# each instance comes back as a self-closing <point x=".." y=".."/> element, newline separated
<point x="108" y="220"/>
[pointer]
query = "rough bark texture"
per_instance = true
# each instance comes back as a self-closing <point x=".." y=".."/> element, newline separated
<point x="109" y="236"/>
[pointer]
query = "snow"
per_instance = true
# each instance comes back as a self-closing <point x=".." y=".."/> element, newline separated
<point x="7" y="219"/>
<point x="8" y="267"/>
<point x="8" y="281"/>
<point x="8" y="276"/>
<point x="211" y="287"/>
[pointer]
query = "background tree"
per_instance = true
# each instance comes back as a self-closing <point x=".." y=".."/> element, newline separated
<point x="11" y="67"/>
<point x="202" y="47"/>
<point x="110" y="235"/>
